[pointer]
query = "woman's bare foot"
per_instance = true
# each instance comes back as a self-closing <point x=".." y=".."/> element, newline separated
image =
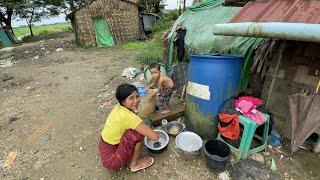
<point x="165" y="111"/>
<point x="142" y="163"/>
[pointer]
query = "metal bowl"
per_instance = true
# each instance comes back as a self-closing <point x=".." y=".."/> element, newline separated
<point x="163" y="139"/>
<point x="176" y="126"/>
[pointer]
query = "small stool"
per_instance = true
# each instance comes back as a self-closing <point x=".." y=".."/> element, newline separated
<point x="247" y="136"/>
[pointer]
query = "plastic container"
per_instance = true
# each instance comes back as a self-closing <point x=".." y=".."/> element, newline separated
<point x="212" y="79"/>
<point x="142" y="91"/>
<point x="189" y="143"/>
<point x="217" y="155"/>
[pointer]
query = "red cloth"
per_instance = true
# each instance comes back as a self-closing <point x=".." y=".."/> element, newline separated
<point x="113" y="157"/>
<point x="232" y="128"/>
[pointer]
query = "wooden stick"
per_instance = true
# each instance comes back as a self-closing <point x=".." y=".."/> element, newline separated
<point x="275" y="75"/>
<point x="183" y="92"/>
<point x="317" y="90"/>
<point x="174" y="151"/>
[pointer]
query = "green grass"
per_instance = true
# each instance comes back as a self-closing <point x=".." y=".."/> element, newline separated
<point x="152" y="50"/>
<point x="42" y="29"/>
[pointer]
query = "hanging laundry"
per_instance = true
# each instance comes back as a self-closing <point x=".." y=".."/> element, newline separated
<point x="181" y="33"/>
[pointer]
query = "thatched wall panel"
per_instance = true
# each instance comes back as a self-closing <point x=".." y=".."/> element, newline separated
<point x="122" y="19"/>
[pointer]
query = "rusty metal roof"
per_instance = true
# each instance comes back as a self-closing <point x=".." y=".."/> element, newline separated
<point x="293" y="11"/>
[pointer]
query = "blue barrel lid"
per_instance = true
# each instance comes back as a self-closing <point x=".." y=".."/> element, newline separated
<point x="220" y="56"/>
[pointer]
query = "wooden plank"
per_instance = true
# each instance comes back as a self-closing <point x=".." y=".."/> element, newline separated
<point x="175" y="112"/>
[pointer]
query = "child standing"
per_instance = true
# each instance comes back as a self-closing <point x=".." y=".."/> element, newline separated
<point x="164" y="84"/>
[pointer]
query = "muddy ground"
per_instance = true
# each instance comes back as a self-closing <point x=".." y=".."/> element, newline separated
<point x="51" y="117"/>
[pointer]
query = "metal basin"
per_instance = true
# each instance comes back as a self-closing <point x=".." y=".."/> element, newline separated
<point x="174" y="128"/>
<point x="161" y="145"/>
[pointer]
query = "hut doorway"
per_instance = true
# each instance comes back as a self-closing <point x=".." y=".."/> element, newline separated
<point x="103" y="34"/>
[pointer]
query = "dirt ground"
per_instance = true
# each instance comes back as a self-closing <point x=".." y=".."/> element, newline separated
<point x="51" y="117"/>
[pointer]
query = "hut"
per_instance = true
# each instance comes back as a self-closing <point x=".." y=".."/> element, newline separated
<point x="285" y="69"/>
<point x="106" y="22"/>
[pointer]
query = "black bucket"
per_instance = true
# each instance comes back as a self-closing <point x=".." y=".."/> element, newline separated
<point x="217" y="154"/>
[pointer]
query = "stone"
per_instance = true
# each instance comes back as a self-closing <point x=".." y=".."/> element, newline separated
<point x="266" y="153"/>
<point x="12" y="119"/>
<point x="258" y="157"/>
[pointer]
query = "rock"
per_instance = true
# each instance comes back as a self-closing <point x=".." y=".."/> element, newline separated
<point x="42" y="178"/>
<point x="5" y="78"/>
<point x="59" y="49"/>
<point x="6" y="64"/>
<point x="7" y="49"/>
<point x="224" y="176"/>
<point x="286" y="174"/>
<point x="258" y="157"/>
<point x="38" y="165"/>
<point x="46" y="138"/>
<point x="266" y="153"/>
<point x="12" y="119"/>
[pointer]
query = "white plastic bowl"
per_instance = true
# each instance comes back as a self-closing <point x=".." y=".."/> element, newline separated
<point x="189" y="142"/>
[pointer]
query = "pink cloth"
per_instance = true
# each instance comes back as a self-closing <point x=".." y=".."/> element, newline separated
<point x="247" y="106"/>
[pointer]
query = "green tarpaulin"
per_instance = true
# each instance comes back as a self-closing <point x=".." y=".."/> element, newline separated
<point x="199" y="20"/>
<point x="103" y="34"/>
<point x="4" y="39"/>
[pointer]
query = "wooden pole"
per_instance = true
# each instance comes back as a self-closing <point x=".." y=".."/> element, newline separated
<point x="275" y="74"/>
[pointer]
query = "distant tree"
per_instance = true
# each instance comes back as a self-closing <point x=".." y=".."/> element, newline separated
<point x="69" y="5"/>
<point x="8" y="11"/>
<point x="151" y="6"/>
<point x="35" y="10"/>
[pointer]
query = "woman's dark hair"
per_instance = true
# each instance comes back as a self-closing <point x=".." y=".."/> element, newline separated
<point x="154" y="65"/>
<point x="123" y="91"/>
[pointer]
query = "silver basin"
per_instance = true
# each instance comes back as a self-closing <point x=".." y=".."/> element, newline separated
<point x="178" y="127"/>
<point x="163" y="140"/>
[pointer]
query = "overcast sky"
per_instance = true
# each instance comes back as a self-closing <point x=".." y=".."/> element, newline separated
<point x="171" y="4"/>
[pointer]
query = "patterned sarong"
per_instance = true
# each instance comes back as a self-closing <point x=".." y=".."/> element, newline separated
<point x="113" y="157"/>
<point x="164" y="95"/>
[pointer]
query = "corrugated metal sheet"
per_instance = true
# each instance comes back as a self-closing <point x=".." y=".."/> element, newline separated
<point x="295" y="11"/>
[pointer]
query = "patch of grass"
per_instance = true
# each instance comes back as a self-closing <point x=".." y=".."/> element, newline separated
<point x="42" y="29"/>
<point x="135" y="45"/>
<point x="86" y="46"/>
<point x="152" y="51"/>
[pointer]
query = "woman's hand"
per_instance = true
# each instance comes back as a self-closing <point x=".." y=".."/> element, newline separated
<point x="147" y="131"/>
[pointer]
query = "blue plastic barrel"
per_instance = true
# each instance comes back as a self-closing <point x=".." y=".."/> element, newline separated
<point x="212" y="79"/>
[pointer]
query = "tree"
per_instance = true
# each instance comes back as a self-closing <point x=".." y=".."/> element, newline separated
<point x="69" y="5"/>
<point x="8" y="11"/>
<point x="151" y="6"/>
<point x="35" y="10"/>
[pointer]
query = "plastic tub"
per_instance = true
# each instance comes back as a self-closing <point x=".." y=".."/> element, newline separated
<point x="217" y="155"/>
